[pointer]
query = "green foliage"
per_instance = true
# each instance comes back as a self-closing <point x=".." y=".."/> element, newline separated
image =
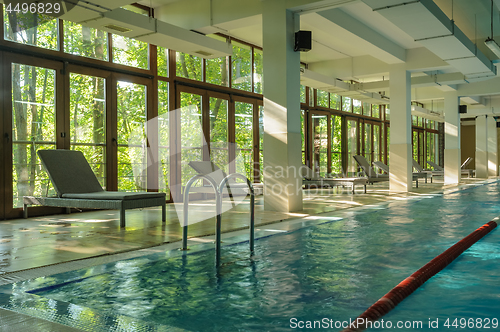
<point x="356" y="106"/>
<point x="85" y="41"/>
<point x="320" y="143"/>
<point x="162" y="61"/>
<point x="43" y="35"/>
<point x="188" y="66"/>
<point x="217" y="71"/>
<point x="33" y="128"/>
<point x="302" y="94"/>
<point x="346" y="104"/>
<point x="130" y="52"/>
<point x="244" y="138"/>
<point x="191" y="134"/>
<point x="87" y="121"/>
<point x="258" y="68"/>
<point x="131" y="108"/>
<point x="322" y="98"/>
<point x="241" y="67"/>
<point x="335" y="101"/>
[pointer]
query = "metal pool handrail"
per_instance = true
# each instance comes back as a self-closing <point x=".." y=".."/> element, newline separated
<point x="186" y="204"/>
<point x="219" y="217"/>
<point x="218" y="210"/>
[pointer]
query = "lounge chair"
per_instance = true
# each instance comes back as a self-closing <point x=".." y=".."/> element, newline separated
<point x="311" y="178"/>
<point x="465" y="171"/>
<point x="208" y="168"/>
<point x="420" y="169"/>
<point x="435" y="166"/>
<point x="416" y="175"/>
<point x="372" y="175"/>
<point x="77" y="187"/>
<point x="376" y="177"/>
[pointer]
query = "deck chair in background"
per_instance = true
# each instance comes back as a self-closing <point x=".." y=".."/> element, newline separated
<point x="430" y="174"/>
<point x="464" y="170"/>
<point x="77" y="187"/>
<point x="372" y="175"/>
<point x="415" y="176"/>
<point x="469" y="172"/>
<point x="208" y="168"/>
<point x="311" y="178"/>
<point x="435" y="166"/>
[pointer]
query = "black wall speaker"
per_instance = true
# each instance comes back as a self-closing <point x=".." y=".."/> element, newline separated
<point x="498" y="124"/>
<point x="462" y="109"/>
<point x="303" y="41"/>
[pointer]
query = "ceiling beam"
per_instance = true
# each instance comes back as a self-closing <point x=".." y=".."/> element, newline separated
<point x="390" y="52"/>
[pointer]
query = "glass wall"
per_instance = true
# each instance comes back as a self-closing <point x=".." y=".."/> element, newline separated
<point x="88" y="121"/>
<point x="33" y="129"/>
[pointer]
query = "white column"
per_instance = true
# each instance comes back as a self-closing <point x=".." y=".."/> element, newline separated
<point x="400" y="148"/>
<point x="492" y="146"/>
<point x="452" y="156"/>
<point x="282" y="140"/>
<point x="481" y="147"/>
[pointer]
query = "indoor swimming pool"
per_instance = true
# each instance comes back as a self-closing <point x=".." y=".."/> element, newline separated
<point x="333" y="269"/>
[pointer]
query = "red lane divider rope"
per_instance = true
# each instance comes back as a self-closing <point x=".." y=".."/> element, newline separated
<point x="390" y="300"/>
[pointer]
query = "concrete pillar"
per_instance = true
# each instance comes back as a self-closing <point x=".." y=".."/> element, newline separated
<point x="452" y="155"/>
<point x="481" y="146"/>
<point x="491" y="123"/>
<point x="282" y="140"/>
<point x="400" y="148"/>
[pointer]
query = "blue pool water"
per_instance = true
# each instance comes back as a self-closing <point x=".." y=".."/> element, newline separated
<point x="334" y="270"/>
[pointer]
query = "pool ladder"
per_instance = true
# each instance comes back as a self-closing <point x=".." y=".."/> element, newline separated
<point x="218" y="209"/>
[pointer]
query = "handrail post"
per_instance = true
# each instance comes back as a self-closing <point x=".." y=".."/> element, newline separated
<point x="186" y="203"/>
<point x="252" y="204"/>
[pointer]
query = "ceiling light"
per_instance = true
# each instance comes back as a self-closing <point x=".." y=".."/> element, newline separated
<point x="493" y="46"/>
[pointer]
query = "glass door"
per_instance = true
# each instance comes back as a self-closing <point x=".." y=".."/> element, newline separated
<point x="320" y="143"/>
<point x="352" y="146"/>
<point x="30" y="125"/>
<point x="131" y="136"/>
<point x="87" y="118"/>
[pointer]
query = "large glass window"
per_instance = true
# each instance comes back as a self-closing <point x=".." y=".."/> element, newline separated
<point x="130" y="52"/>
<point x="244" y="138"/>
<point x="336" y="144"/>
<point x="88" y="121"/>
<point x="321" y="98"/>
<point x="352" y="146"/>
<point x="320" y="143"/>
<point x="258" y="71"/>
<point x="335" y="101"/>
<point x="217" y="71"/>
<point x="356" y="106"/>
<point x="241" y="67"/>
<point x="188" y="66"/>
<point x="162" y="61"/>
<point x="218" y="133"/>
<point x="368" y="142"/>
<point x="29" y="29"/>
<point x="33" y="129"/>
<point x="132" y="162"/>
<point x="346" y="104"/>
<point x="367" y="109"/>
<point x="85" y="41"/>
<point x="163" y="138"/>
<point x="192" y="140"/>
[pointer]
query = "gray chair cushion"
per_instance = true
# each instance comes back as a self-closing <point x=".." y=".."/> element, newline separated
<point x="114" y="195"/>
<point x="69" y="172"/>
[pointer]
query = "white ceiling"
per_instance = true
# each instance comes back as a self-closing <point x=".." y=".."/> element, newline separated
<point x="336" y="45"/>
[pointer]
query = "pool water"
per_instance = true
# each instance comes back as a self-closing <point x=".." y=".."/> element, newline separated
<point x="334" y="270"/>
